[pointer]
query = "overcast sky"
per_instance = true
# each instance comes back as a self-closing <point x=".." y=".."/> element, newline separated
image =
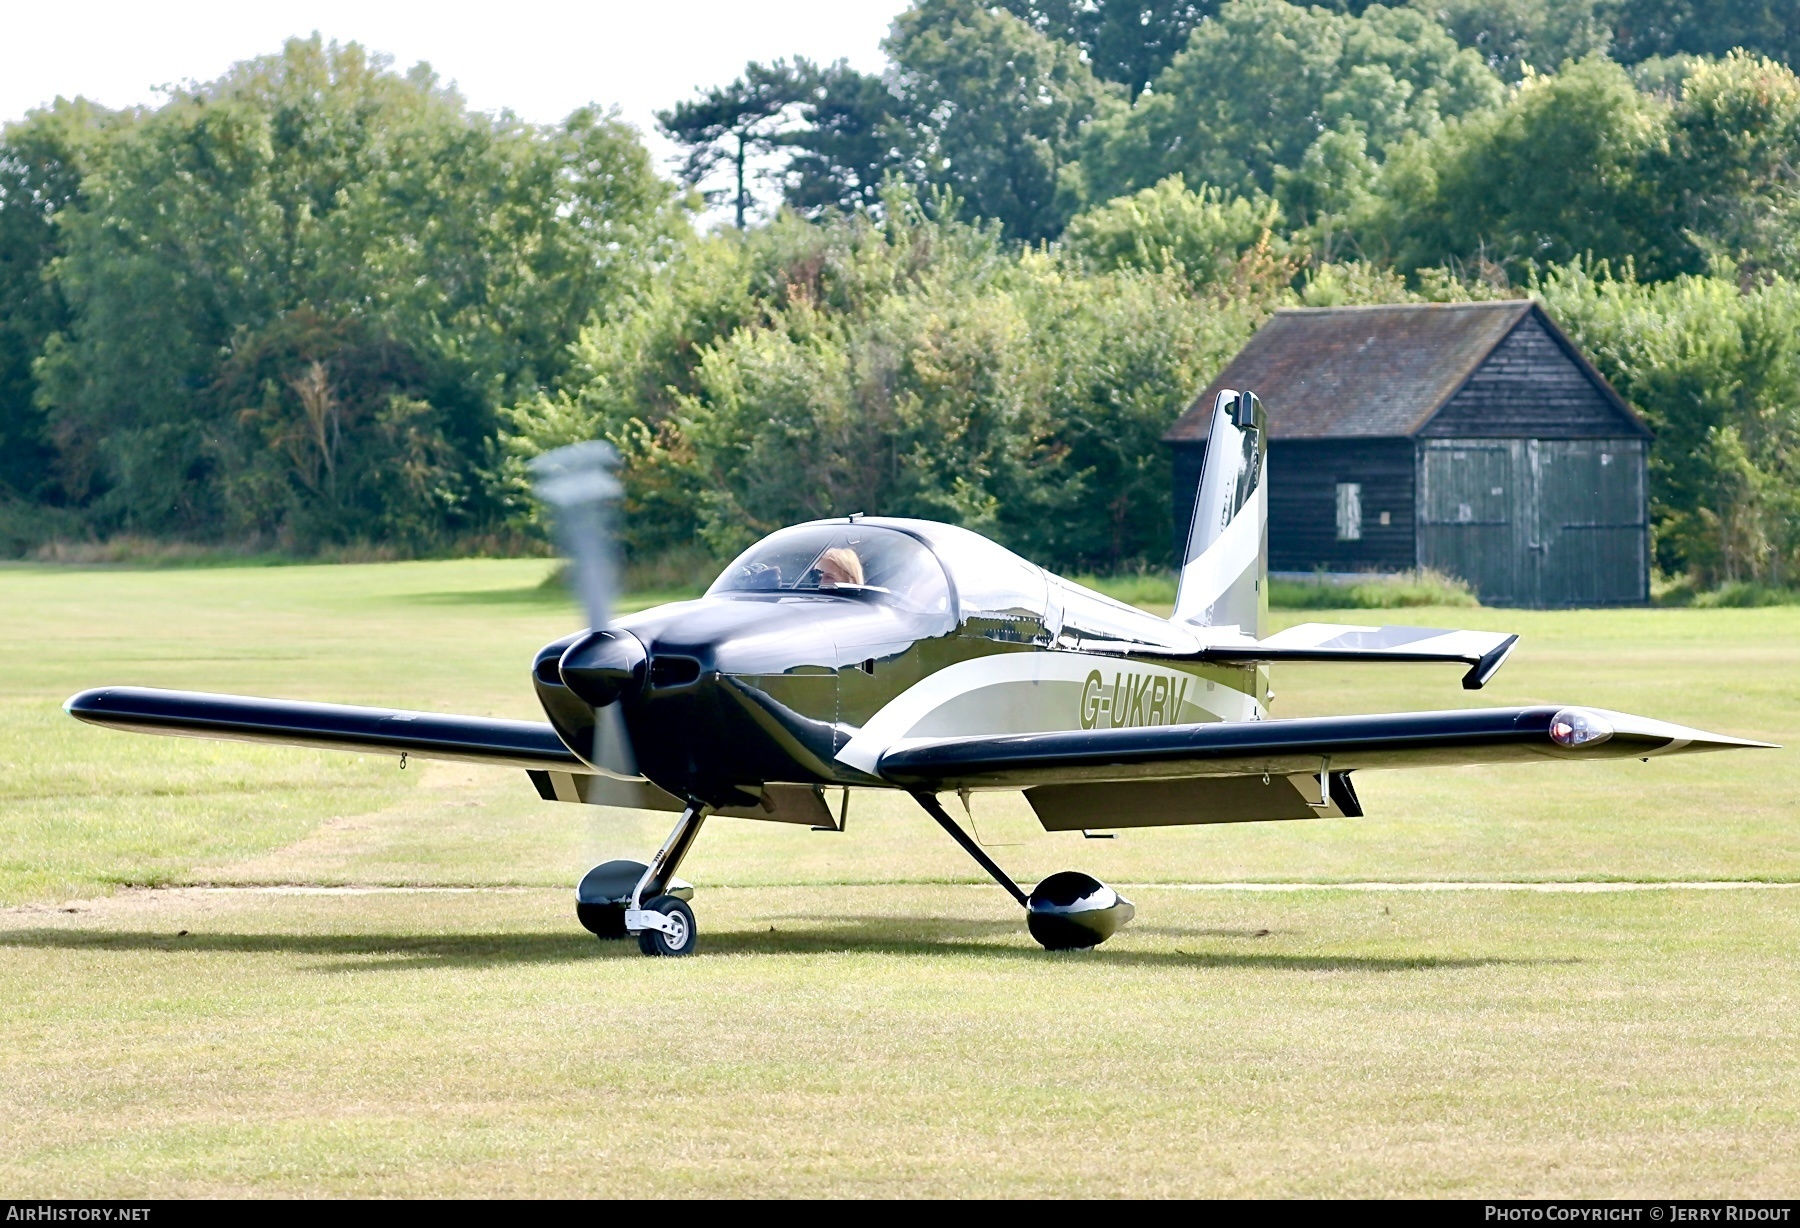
<point x="541" y="59"/>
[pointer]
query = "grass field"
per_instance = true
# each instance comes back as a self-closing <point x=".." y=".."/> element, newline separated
<point x="866" y="1015"/>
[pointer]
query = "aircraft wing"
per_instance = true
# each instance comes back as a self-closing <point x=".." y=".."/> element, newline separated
<point x="1484" y="652"/>
<point x="1288" y="747"/>
<point x="240" y="718"/>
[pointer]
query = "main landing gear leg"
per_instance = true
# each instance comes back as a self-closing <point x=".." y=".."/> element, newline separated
<point x="664" y="924"/>
<point x="1066" y="911"/>
<point x="935" y="809"/>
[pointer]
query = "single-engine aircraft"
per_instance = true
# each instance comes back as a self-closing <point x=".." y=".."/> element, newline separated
<point x="882" y="653"/>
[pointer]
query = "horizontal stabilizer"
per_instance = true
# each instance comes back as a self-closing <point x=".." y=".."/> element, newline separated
<point x="289" y="722"/>
<point x="1290" y="747"/>
<point x="1484" y="652"/>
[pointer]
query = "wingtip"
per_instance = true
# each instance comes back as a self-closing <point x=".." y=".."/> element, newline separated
<point x="1483" y="671"/>
<point x="83" y="701"/>
<point x="1680" y="737"/>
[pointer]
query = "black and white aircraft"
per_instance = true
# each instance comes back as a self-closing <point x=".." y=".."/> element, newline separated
<point x="881" y="653"/>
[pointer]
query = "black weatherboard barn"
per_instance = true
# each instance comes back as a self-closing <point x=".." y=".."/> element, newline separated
<point x="1473" y="438"/>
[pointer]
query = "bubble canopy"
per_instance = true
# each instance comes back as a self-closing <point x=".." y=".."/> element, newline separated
<point x="841" y="560"/>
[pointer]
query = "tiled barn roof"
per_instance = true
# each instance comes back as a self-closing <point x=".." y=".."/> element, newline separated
<point x="1374" y="372"/>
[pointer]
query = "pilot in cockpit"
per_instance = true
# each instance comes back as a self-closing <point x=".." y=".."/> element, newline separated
<point x="840" y="567"/>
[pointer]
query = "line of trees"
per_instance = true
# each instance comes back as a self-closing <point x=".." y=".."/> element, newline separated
<point x="289" y="304"/>
<point x="1409" y="135"/>
<point x="319" y="301"/>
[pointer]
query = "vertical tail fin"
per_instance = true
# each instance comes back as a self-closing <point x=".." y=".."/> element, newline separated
<point x="1225" y="568"/>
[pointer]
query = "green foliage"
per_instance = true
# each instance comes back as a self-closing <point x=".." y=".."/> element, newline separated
<point x="42" y="161"/>
<point x="333" y="435"/>
<point x="295" y="296"/>
<point x="1128" y="42"/>
<point x="1645" y="28"/>
<point x="1555" y="173"/>
<point x="901" y="366"/>
<point x="1262" y="82"/>
<point x="997" y="106"/>
<point x="1212" y="239"/>
<point x="729" y="125"/>
<point x="1732" y="170"/>
<point x="1542" y="34"/>
<point x="1403" y="590"/>
<point x="1151" y="589"/>
<point x="856" y="134"/>
<point x="1715" y="369"/>
<point x="1517" y="36"/>
<point x="1584" y="164"/>
<point x="26" y="526"/>
<point x="1746" y="593"/>
<point x="318" y="305"/>
<point x="1384" y="132"/>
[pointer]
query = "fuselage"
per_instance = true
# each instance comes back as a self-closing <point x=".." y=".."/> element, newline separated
<point x="782" y="677"/>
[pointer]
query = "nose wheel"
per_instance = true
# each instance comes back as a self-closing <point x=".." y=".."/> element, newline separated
<point x="673" y="922"/>
<point x="646" y="902"/>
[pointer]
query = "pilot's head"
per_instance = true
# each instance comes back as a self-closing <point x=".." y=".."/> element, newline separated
<point x="840" y="565"/>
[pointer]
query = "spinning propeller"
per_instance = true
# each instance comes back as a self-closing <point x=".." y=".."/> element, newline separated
<point x="608" y="664"/>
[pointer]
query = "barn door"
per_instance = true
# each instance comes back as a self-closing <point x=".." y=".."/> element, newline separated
<point x="1592" y="540"/>
<point x="1474" y="516"/>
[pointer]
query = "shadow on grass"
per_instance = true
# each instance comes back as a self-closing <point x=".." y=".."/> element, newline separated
<point x="965" y="928"/>
<point x="858" y="936"/>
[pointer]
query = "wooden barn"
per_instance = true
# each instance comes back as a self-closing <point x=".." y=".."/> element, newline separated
<point x="1473" y="438"/>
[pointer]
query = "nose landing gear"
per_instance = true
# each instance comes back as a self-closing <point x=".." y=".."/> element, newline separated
<point x="628" y="898"/>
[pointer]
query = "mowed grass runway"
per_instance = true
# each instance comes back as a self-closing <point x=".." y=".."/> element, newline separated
<point x="866" y="1014"/>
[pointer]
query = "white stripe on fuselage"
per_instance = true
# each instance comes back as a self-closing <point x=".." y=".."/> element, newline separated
<point x="1049" y="692"/>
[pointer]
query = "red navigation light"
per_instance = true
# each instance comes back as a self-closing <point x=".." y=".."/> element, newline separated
<point x="1574" y="727"/>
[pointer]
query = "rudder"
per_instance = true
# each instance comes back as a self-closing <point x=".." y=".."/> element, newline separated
<point x="1225" y="568"/>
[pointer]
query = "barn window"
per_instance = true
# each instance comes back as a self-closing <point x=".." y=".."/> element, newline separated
<point x="1349" y="511"/>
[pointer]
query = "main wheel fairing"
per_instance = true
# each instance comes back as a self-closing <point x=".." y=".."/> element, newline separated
<point x="1072" y="911"/>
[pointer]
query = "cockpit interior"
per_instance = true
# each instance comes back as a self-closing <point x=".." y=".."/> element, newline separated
<point x="924" y="567"/>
